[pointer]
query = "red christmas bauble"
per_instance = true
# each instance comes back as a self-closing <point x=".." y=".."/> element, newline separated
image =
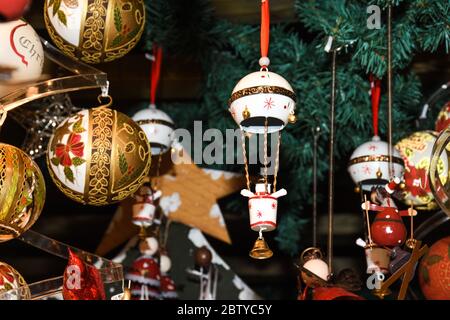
<point x="443" y="119"/>
<point x="82" y="281"/>
<point x="434" y="271"/>
<point x="13" y="9"/>
<point x="334" y="293"/>
<point x="388" y="228"/>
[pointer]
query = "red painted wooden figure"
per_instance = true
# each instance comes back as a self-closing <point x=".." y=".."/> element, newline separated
<point x="387" y="228"/>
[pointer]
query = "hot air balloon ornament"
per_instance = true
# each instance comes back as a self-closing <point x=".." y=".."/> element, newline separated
<point x="263" y="103"/>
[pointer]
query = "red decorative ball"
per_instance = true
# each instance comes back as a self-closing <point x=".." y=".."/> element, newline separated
<point x="388" y="228"/>
<point x="13" y="9"/>
<point x="443" y="118"/>
<point x="334" y="293"/>
<point x="434" y="271"/>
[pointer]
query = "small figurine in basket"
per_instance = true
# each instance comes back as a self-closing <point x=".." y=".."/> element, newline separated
<point x="387" y="228"/>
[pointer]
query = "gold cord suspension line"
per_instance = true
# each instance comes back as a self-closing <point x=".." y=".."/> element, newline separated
<point x="316" y="133"/>
<point x="331" y="163"/>
<point x="389" y="83"/>
<point x="277" y="163"/>
<point x="265" y="155"/>
<point x="244" y="152"/>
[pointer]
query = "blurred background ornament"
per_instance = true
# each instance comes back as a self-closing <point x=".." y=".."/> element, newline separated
<point x="144" y="206"/>
<point x="314" y="270"/>
<point x="434" y="271"/>
<point x="21" y="55"/>
<point x="145" y="274"/>
<point x="12" y="281"/>
<point x="98" y="156"/>
<point x="439" y="188"/>
<point x="207" y="272"/>
<point x="167" y="285"/>
<point x="95" y="32"/>
<point x="40" y="120"/>
<point x="12" y="10"/>
<point x="416" y="151"/>
<point x="158" y="127"/>
<point x="443" y="118"/>
<point x="22" y="190"/>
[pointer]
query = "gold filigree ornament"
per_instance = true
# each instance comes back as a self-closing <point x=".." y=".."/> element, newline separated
<point x="98" y="156"/>
<point x="95" y="31"/>
<point x="12" y="284"/>
<point x="22" y="192"/>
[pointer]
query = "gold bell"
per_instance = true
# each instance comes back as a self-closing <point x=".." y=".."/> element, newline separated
<point x="246" y="113"/>
<point x="402" y="185"/>
<point x="261" y="250"/>
<point x="292" y="118"/>
<point x="126" y="294"/>
<point x="380" y="293"/>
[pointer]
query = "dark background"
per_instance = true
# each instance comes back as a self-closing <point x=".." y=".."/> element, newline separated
<point x="83" y="226"/>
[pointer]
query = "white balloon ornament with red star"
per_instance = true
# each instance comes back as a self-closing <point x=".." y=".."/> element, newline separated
<point x="263" y="102"/>
<point x="369" y="164"/>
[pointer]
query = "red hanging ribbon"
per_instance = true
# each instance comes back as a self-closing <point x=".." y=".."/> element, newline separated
<point x="155" y="73"/>
<point x="375" y="91"/>
<point x="265" y="27"/>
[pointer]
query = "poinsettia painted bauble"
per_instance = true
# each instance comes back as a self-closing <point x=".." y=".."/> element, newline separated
<point x="369" y="164"/>
<point x="259" y="96"/>
<point x="434" y="271"/>
<point x="22" y="192"/>
<point x="416" y="151"/>
<point x="158" y="127"/>
<point x="98" y="156"/>
<point x="21" y="55"/>
<point x="95" y="31"/>
<point x="12" y="10"/>
<point x="12" y="284"/>
<point x="443" y="118"/>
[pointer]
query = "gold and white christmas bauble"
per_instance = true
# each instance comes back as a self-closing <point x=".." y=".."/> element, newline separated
<point x="369" y="164"/>
<point x="12" y="284"/>
<point x="95" y="31"/>
<point x="22" y="192"/>
<point x="416" y="151"/>
<point x="259" y="96"/>
<point x="21" y="55"/>
<point x="158" y="127"/>
<point x="98" y="156"/>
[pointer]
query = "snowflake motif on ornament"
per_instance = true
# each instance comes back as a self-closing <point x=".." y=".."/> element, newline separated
<point x="366" y="170"/>
<point x="269" y="103"/>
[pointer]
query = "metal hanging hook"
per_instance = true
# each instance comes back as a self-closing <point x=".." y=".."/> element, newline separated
<point x="100" y="99"/>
